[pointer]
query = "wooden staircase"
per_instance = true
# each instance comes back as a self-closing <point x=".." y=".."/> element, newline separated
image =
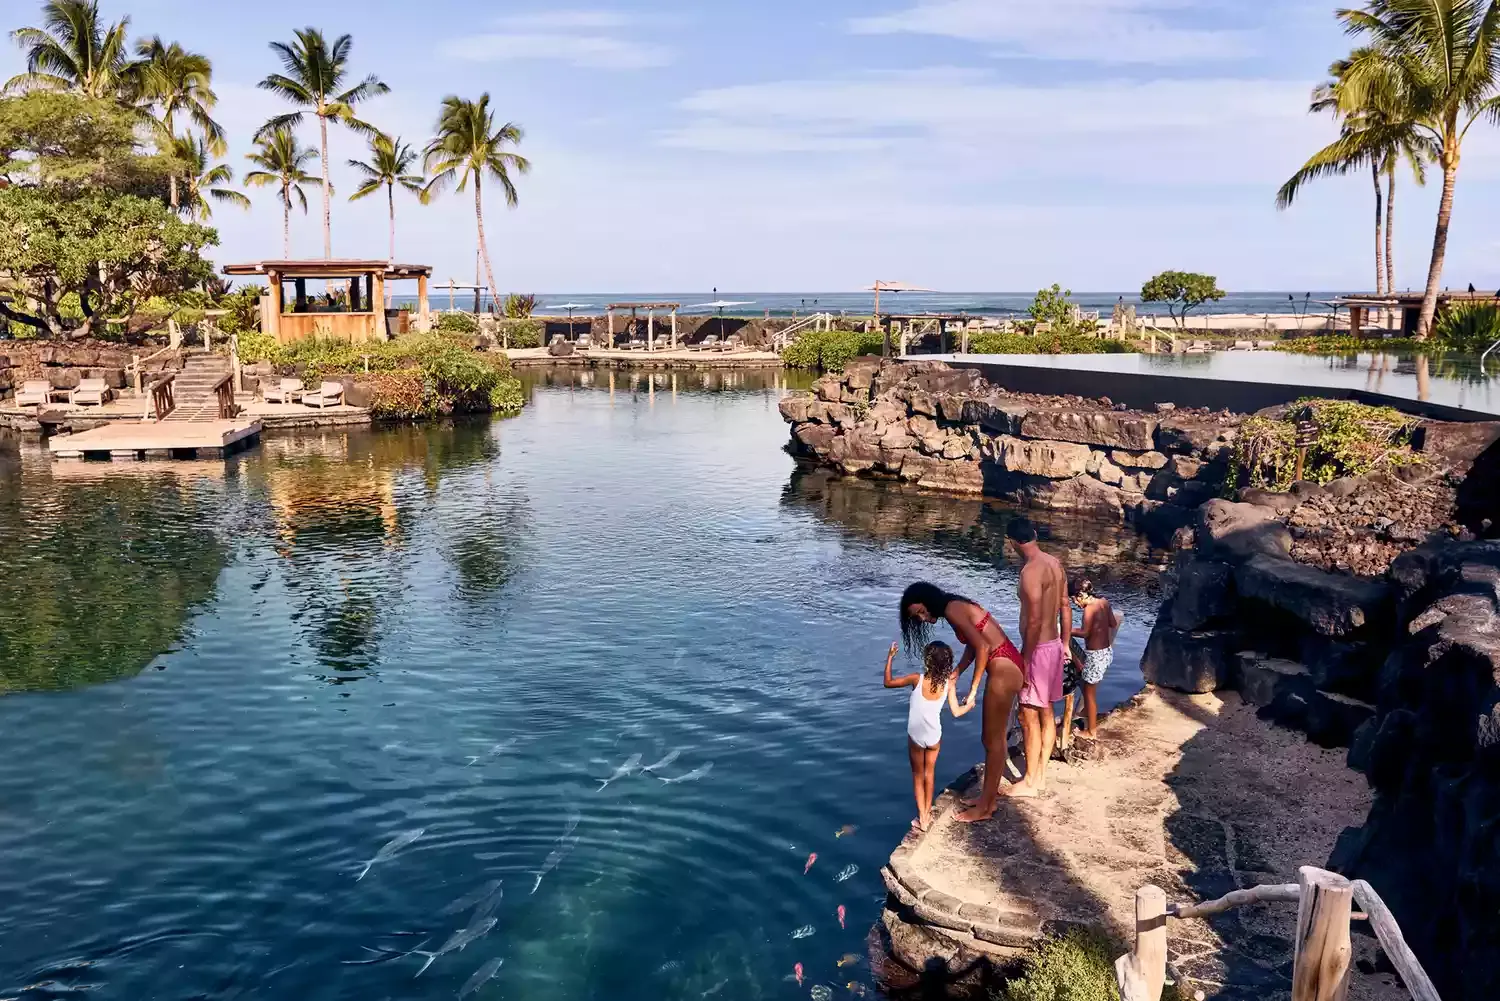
<point x="203" y="390"/>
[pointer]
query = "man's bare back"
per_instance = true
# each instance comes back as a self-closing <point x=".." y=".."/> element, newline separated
<point x="1044" y="594"/>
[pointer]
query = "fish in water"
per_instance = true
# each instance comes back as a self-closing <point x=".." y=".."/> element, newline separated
<point x="664" y="762"/>
<point x="847" y="872"/>
<point x="846" y="829"/>
<point x="670" y="966"/>
<point x="716" y="988"/>
<point x="848" y="959"/>
<point x="470" y="899"/>
<point x="390" y="849"/>
<point x="820" y="993"/>
<point x="487" y="904"/>
<point x="855" y="988"/>
<point x="456" y="942"/>
<point x="797" y="972"/>
<point x="574" y="816"/>
<point x="481" y="976"/>
<point x="806" y="931"/>
<point x="554" y="858"/>
<point x="692" y="776"/>
<point x="841" y="913"/>
<point x="810" y="860"/>
<point x="631" y="764"/>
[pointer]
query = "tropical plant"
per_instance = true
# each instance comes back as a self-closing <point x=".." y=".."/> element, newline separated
<point x="281" y="159"/>
<point x="1181" y="291"/>
<point x="1435" y="61"/>
<point x="519" y="307"/>
<point x="74" y="50"/>
<point x="73" y="144"/>
<point x="176" y="83"/>
<point x="314" y="80"/>
<point x="468" y="147"/>
<point x="1347" y="439"/>
<point x="1468" y="325"/>
<point x="390" y="164"/>
<point x="831" y="350"/>
<point x="203" y="179"/>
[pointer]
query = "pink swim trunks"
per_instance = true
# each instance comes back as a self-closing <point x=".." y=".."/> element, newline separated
<point x="1044" y="676"/>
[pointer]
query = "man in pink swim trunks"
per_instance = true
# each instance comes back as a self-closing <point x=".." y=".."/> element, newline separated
<point x="1046" y="625"/>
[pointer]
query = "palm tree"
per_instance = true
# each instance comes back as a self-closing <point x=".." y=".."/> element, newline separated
<point x="281" y="159"/>
<point x="1371" y="135"/>
<point x="390" y="164"/>
<point x="177" y="82"/>
<point x="1436" y="60"/>
<point x="203" y="179"/>
<point x="74" y="50"/>
<point x="315" y="73"/>
<point x="468" y="146"/>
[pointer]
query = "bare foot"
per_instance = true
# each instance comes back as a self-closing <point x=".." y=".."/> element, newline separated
<point x="974" y="814"/>
<point x="1020" y="790"/>
<point x="925" y="825"/>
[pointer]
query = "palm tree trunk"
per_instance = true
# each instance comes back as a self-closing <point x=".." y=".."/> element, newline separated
<point x="390" y="195"/>
<point x="1439" y="239"/>
<point x="327" y="211"/>
<point x="172" y="189"/>
<point x="1390" y="229"/>
<point x="484" y="251"/>
<point x="286" y="222"/>
<point x="1379" y="230"/>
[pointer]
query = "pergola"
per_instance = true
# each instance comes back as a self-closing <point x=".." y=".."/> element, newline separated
<point x="1407" y="305"/>
<point x="650" y="308"/>
<point x="887" y="286"/>
<point x="909" y="323"/>
<point x="363" y="318"/>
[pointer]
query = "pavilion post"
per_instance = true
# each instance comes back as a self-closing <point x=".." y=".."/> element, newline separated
<point x="300" y="284"/>
<point x="422" y="298"/>
<point x="355" y="295"/>
<point x="381" y="330"/>
<point x="270" y="316"/>
<point x="674" y="345"/>
<point x="609" y="321"/>
<point x="650" y="330"/>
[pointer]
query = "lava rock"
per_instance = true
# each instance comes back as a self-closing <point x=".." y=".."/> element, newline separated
<point x="1190" y="661"/>
<point x="1235" y="532"/>
<point x="1331" y="604"/>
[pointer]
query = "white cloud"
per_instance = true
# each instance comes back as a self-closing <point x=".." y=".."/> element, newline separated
<point x="1109" y="31"/>
<point x="564" y="20"/>
<point x="586" y="51"/>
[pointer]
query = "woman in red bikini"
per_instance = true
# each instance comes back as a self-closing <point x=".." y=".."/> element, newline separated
<point x="991" y="652"/>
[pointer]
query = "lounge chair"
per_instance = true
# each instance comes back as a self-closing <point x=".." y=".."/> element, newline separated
<point x="1244" y="345"/>
<point x="1265" y="345"/>
<point x="33" y="393"/>
<point x="731" y="343"/>
<point x="635" y="344"/>
<point x="91" y="392"/>
<point x="709" y="343"/>
<point x="289" y="391"/>
<point x="329" y="394"/>
<point x="583" y="343"/>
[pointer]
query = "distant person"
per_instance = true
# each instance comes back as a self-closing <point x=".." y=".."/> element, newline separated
<point x="924" y="718"/>
<point x="1046" y="628"/>
<point x="997" y="665"/>
<point x="1100" y="624"/>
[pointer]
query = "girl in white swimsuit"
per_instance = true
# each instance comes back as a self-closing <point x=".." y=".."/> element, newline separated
<point x="924" y="719"/>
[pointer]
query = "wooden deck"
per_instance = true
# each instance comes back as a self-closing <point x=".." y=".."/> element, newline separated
<point x="169" y="440"/>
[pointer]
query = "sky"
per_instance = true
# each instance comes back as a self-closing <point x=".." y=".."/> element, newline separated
<point x="773" y="145"/>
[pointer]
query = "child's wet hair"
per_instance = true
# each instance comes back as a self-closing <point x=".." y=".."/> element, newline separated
<point x="1083" y="588"/>
<point x="937" y="657"/>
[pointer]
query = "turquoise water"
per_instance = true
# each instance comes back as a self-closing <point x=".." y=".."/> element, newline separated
<point x="224" y="688"/>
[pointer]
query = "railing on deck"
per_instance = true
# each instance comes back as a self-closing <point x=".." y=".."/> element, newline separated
<point x="817" y="321"/>
<point x="162" y="401"/>
<point x="223" y="390"/>
<point x="1320" y="968"/>
<point x="134" y="368"/>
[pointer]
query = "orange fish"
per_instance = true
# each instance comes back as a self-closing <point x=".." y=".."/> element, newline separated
<point x="841" y="915"/>
<point x="845" y="830"/>
<point x="797" y="970"/>
<point x="810" y="860"/>
<point x="848" y="959"/>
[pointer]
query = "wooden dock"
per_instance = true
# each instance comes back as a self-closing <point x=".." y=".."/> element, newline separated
<point x="129" y="440"/>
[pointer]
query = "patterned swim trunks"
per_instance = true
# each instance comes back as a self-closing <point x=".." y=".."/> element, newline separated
<point x="1095" y="663"/>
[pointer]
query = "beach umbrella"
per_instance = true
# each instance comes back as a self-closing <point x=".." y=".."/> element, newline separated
<point x="569" y="306"/>
<point x="721" y="305"/>
<point x="882" y="286"/>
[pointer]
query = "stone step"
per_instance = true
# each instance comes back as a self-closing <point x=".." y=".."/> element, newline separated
<point x="1288" y="696"/>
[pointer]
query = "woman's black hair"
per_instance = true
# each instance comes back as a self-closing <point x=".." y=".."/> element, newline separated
<point x="914" y="631"/>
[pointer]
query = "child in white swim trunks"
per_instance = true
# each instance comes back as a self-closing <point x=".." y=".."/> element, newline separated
<point x="924" y="718"/>
<point x="1100" y="624"/>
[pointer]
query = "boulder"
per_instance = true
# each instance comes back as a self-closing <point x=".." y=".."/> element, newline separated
<point x="358" y="394"/>
<point x="815" y="438"/>
<point x="995" y="414"/>
<point x="1191" y="494"/>
<point x="958" y="476"/>
<point x="829" y="388"/>
<point x="1053" y="459"/>
<point x="855" y="453"/>
<point x="1185" y="467"/>
<point x="794" y="407"/>
<point x="1108" y="472"/>
<point x="1205" y="594"/>
<point x="1107" y="428"/>
<point x="922" y="403"/>
<point x="1194" y="662"/>
<point x="1343" y="487"/>
<point x="1331" y="604"/>
<point x="63" y="378"/>
<point x="859" y="374"/>
<point x="1082" y="495"/>
<point x="958" y="447"/>
<point x="1187" y="435"/>
<point x="951" y="408"/>
<point x="1145" y="460"/>
<point x="921" y="426"/>
<point x="1235" y="532"/>
<point x="897" y="438"/>
<point x="560" y="349"/>
<point x="114" y="378"/>
<point x="1262" y="679"/>
<point x="886" y="412"/>
<point x="1271" y="500"/>
<point x="840" y="414"/>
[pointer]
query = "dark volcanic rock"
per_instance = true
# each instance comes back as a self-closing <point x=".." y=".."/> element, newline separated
<point x="1205" y="594"/>
<point x="1108" y="428"/>
<point x="1235" y="532"/>
<point x="1332" y="604"/>
<point x="1189" y="661"/>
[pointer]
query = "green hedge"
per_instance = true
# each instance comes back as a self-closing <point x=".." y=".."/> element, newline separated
<point x="831" y="350"/>
<point x="520" y="334"/>
<point x="458" y="323"/>
<point x="994" y="342"/>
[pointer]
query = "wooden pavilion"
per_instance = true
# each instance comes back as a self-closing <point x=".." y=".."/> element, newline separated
<point x="360" y="317"/>
<point x="650" y="308"/>
<point x="1405" y="305"/>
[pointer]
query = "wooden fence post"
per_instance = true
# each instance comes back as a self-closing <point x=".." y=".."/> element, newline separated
<point x="1142" y="973"/>
<point x="1320" y="969"/>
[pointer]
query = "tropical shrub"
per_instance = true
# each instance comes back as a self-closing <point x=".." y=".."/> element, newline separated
<point x="460" y="323"/>
<point x="831" y="350"/>
<point x="397" y="395"/>
<point x="241" y="309"/>
<point x="994" y="342"/>
<point x="1348" y="439"/>
<point x="519" y="307"/>
<point x="525" y="333"/>
<point x="1076" y="966"/>
<point x="1181" y="291"/>
<point x="1468" y="326"/>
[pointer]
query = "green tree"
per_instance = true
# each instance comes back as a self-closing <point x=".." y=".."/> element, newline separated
<point x="1373" y="135"/>
<point x="104" y="252"/>
<point x="1181" y="291"/>
<point x="469" y="147"/>
<point x="175" y="82"/>
<point x="71" y="143"/>
<point x="1436" y="61"/>
<point x="74" y="50"/>
<point x="203" y="179"/>
<point x="315" y="74"/>
<point x="390" y="165"/>
<point x="282" y="159"/>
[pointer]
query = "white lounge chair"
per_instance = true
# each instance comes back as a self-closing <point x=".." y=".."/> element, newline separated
<point x="709" y="343"/>
<point x="329" y="394"/>
<point x="731" y="343"/>
<point x="584" y="343"/>
<point x="289" y="391"/>
<point x="90" y="392"/>
<point x="33" y="393"/>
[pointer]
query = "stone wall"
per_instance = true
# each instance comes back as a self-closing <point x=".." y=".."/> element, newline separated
<point x="64" y="365"/>
<point x="944" y="428"/>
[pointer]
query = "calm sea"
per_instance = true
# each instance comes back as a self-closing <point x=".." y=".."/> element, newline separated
<point x="225" y="687"/>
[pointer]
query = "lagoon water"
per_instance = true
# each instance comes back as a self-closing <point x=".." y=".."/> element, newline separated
<point x="224" y="688"/>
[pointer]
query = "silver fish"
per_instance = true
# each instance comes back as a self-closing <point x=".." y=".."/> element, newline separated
<point x="692" y="776"/>
<point x="480" y="977"/>
<point x="456" y="942"/>
<point x="670" y="966"/>
<point x="554" y="858"/>
<point x="631" y="764"/>
<point x="847" y="872"/>
<point x="574" y="816"/>
<point x="487" y="905"/>
<point x="390" y="849"/>
<point x="806" y="931"/>
<point x="470" y="899"/>
<point x="820" y="993"/>
<point x="664" y="762"/>
<point x="716" y="988"/>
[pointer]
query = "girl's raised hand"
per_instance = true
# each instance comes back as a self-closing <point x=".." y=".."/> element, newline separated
<point x="892" y="654"/>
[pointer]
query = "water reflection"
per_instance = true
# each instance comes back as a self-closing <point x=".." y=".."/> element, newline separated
<point x="650" y="385"/>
